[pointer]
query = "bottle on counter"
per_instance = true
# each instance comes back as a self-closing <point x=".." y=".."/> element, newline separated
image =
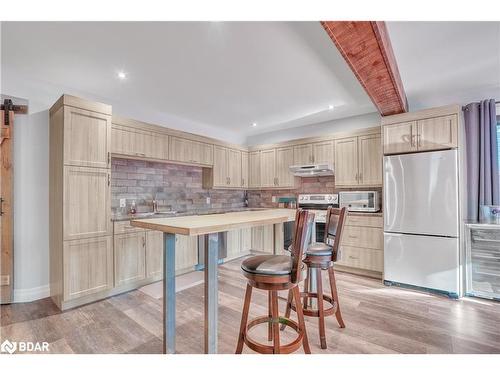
<point x="133" y="208"/>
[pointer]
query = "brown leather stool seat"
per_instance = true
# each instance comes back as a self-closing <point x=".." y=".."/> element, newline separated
<point x="268" y="265"/>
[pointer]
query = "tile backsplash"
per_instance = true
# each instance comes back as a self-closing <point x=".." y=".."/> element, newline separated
<point x="309" y="185"/>
<point x="176" y="187"/>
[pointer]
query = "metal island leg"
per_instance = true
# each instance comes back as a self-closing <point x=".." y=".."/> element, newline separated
<point x="211" y="292"/>
<point x="168" y="293"/>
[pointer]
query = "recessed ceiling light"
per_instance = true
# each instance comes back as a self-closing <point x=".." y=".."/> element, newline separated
<point x="254" y="124"/>
<point x="330" y="106"/>
<point x="121" y="75"/>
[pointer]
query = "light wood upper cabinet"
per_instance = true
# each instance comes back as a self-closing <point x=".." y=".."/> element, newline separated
<point x="400" y="138"/>
<point x="87" y="138"/>
<point x="132" y="142"/>
<point x="346" y="161"/>
<point x="437" y="133"/>
<point x="227" y="168"/>
<point x="87" y="267"/>
<point x="370" y="160"/>
<point x="244" y="169"/>
<point x="323" y="152"/>
<point x="303" y="154"/>
<point x="130" y="257"/>
<point x="268" y="168"/>
<point x="86" y="202"/>
<point x="284" y="159"/>
<point x="154" y="255"/>
<point x="188" y="151"/>
<point x="254" y="169"/>
<point x="358" y="161"/>
<point x="234" y="167"/>
<point x="220" y="169"/>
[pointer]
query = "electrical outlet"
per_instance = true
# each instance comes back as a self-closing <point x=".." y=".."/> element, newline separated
<point x="208" y="200"/>
<point x="273" y="199"/>
<point x="123" y="202"/>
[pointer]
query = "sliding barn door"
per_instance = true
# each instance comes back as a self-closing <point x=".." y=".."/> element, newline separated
<point x="6" y="217"/>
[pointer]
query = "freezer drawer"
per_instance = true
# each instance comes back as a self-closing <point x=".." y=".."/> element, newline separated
<point x="423" y="261"/>
<point x="421" y="193"/>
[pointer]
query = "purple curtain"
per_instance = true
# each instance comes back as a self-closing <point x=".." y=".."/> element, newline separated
<point x="482" y="156"/>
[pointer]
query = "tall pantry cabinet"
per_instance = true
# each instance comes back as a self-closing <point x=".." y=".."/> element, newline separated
<point x="81" y="252"/>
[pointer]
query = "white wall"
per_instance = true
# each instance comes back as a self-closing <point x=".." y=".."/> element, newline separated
<point x="317" y="130"/>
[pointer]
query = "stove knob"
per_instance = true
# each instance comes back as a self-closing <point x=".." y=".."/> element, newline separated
<point x="329" y="198"/>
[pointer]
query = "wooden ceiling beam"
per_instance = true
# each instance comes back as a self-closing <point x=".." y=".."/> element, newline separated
<point x="366" y="47"/>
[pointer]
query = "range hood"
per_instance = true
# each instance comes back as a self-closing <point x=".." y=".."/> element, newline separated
<point x="312" y="170"/>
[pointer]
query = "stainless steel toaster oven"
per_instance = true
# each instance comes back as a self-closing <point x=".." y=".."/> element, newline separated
<point x="360" y="201"/>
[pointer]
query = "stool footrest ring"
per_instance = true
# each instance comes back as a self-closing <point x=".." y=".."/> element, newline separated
<point x="268" y="349"/>
<point x="315" y="312"/>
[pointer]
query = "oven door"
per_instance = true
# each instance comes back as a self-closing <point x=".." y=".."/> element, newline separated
<point x="319" y="232"/>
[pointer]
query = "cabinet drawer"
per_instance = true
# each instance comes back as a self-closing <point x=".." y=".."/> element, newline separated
<point x="364" y="221"/>
<point x="371" y="238"/>
<point x="368" y="259"/>
<point x="123" y="227"/>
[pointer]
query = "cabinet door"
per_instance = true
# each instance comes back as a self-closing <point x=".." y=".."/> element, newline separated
<point x="284" y="159"/>
<point x="158" y="146"/>
<point x="437" y="133"/>
<point x="323" y="152"/>
<point x="254" y="169"/>
<point x="303" y="154"/>
<point x="179" y="150"/>
<point x="88" y="266"/>
<point x="122" y="140"/>
<point x="246" y="239"/>
<point x="205" y="153"/>
<point x="87" y="138"/>
<point x="370" y="160"/>
<point x="186" y="252"/>
<point x="400" y="138"/>
<point x="268" y="168"/>
<point x="233" y="243"/>
<point x="188" y="151"/>
<point x="346" y="161"/>
<point x="234" y="167"/>
<point x="244" y="169"/>
<point x="220" y="168"/>
<point x="263" y="238"/>
<point x="362" y="258"/>
<point x="154" y="255"/>
<point x="130" y="257"/>
<point x="87" y="209"/>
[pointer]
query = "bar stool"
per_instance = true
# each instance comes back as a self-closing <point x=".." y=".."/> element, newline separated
<point x="274" y="273"/>
<point x="320" y="256"/>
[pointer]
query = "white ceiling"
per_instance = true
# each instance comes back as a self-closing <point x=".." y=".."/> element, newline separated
<point x="447" y="62"/>
<point x="223" y="74"/>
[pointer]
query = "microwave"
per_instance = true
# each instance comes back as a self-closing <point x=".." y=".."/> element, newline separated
<point x="360" y="201"/>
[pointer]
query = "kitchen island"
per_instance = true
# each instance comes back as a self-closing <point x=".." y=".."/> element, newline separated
<point x="209" y="226"/>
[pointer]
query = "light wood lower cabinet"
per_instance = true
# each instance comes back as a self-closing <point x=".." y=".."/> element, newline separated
<point x="130" y="257"/>
<point x="263" y="238"/>
<point x="154" y="255"/>
<point x="87" y="267"/>
<point x="186" y="252"/>
<point x="362" y="244"/>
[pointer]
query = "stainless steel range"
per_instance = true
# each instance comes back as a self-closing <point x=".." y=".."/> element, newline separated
<point x="318" y="203"/>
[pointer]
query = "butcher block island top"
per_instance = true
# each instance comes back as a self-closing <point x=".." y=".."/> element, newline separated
<point x="213" y="223"/>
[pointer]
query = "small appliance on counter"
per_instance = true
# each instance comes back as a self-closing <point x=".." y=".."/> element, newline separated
<point x="287" y="202"/>
<point x="360" y="201"/>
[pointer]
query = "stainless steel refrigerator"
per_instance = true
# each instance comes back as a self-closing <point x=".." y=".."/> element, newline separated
<point x="421" y="221"/>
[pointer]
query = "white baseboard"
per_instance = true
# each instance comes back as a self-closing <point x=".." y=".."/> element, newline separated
<point x="32" y="294"/>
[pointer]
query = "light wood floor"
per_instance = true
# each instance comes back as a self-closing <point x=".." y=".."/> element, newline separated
<point x="378" y="319"/>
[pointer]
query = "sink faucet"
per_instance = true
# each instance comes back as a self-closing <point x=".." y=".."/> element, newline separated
<point x="155" y="204"/>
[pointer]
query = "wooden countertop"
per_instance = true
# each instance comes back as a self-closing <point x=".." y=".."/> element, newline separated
<point x="214" y="223"/>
